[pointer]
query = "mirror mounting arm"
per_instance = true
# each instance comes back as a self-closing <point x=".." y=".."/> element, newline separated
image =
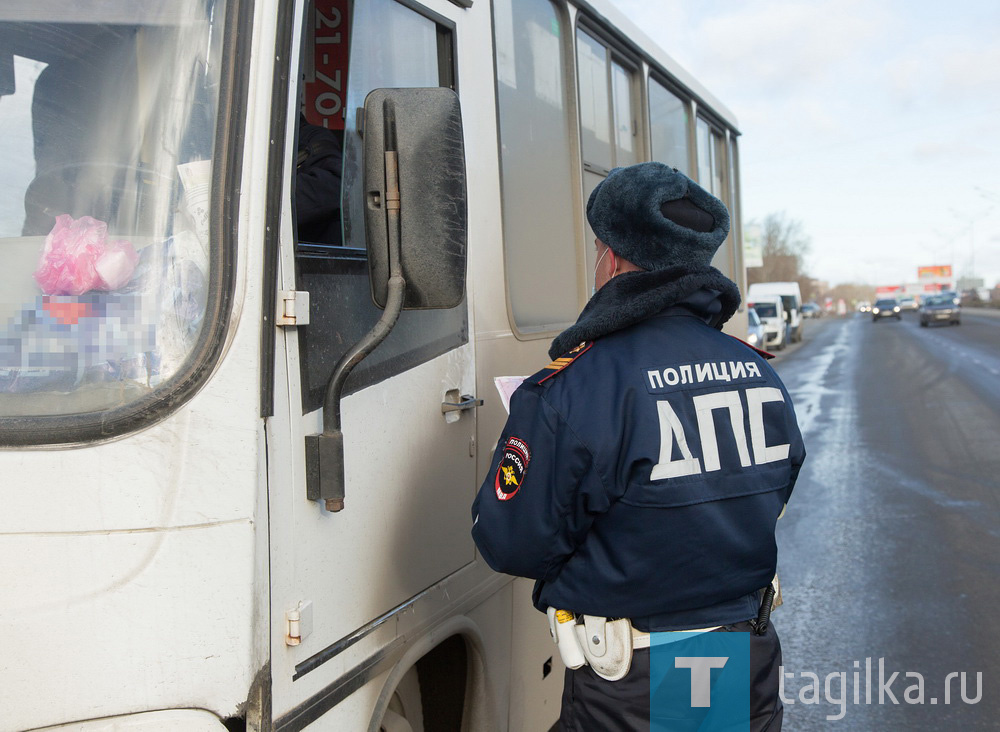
<point x="325" y="452"/>
<point x="413" y="149"/>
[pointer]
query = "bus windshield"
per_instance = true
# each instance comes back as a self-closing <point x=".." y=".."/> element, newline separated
<point x="109" y="113"/>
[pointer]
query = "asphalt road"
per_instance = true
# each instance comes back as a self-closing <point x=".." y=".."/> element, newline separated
<point x="890" y="548"/>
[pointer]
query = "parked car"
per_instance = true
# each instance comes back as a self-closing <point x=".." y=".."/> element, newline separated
<point x="811" y="310"/>
<point x="756" y="333"/>
<point x="908" y="303"/>
<point x="885" y="309"/>
<point x="940" y="309"/>
<point x="772" y="314"/>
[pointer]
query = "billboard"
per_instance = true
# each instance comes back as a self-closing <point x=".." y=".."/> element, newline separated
<point x="888" y="290"/>
<point x="753" y="247"/>
<point x="940" y="271"/>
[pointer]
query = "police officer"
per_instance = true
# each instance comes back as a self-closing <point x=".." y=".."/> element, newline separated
<point x="641" y="473"/>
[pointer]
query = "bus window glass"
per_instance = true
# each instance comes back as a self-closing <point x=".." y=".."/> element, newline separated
<point x="595" y="105"/>
<point x="390" y="45"/>
<point x="712" y="161"/>
<point x="668" y="124"/>
<point x="621" y="85"/>
<point x="109" y="116"/>
<point x="719" y="187"/>
<point x="733" y="201"/>
<point x="703" y="136"/>
<point x="607" y="121"/>
<point x="538" y="215"/>
<point x="733" y="187"/>
<point x="712" y="175"/>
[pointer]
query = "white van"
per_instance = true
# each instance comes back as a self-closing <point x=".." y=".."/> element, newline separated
<point x="791" y="298"/>
<point x="771" y="312"/>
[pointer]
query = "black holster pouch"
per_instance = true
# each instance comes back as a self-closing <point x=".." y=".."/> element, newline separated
<point x="759" y="624"/>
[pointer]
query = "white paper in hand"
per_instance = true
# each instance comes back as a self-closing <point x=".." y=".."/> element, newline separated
<point x="506" y="385"/>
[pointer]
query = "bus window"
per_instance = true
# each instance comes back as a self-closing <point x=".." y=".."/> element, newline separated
<point x="381" y="43"/>
<point x="668" y="125"/>
<point x="595" y="105"/>
<point x="735" y="214"/>
<point x="625" y="125"/>
<point x="713" y="176"/>
<point x="703" y="134"/>
<point x="540" y="245"/>
<point x="712" y="161"/>
<point x="109" y="118"/>
<point x="607" y="120"/>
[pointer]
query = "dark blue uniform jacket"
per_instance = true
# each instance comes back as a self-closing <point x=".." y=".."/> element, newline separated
<point x="642" y="476"/>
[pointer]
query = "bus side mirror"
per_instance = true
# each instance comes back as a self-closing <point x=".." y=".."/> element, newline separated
<point x="424" y="127"/>
<point x="417" y="231"/>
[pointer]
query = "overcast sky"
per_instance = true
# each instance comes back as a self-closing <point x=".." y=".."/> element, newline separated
<point x="875" y="123"/>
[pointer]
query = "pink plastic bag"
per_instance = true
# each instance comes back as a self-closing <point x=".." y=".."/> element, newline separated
<point x="78" y="258"/>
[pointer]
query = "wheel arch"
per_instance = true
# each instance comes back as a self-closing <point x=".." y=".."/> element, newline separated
<point x="477" y="698"/>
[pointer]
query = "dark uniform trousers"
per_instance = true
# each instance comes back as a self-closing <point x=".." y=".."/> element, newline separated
<point x="593" y="704"/>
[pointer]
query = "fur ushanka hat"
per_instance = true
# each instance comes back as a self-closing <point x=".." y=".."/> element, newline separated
<point x="656" y="217"/>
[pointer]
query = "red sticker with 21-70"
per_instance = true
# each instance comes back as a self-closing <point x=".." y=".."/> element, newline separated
<point x="513" y="467"/>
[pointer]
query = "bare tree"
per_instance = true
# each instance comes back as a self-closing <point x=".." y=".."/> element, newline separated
<point x="784" y="247"/>
<point x="852" y="293"/>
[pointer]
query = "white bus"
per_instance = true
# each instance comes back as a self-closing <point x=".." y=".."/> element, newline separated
<point x="206" y="523"/>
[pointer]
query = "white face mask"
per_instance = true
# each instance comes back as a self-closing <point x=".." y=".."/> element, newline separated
<point x="593" y="290"/>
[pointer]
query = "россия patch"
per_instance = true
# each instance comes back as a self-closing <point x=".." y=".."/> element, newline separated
<point x="513" y="467"/>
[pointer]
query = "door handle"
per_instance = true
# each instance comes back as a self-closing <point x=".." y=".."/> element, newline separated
<point x="467" y="402"/>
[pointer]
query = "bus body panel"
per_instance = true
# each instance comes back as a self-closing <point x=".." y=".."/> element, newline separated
<point x="189" y="720"/>
<point x="410" y="477"/>
<point x="136" y="569"/>
<point x="141" y="553"/>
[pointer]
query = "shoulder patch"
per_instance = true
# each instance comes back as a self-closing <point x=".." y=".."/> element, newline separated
<point x="562" y="362"/>
<point x="512" y="469"/>
<point x="765" y="354"/>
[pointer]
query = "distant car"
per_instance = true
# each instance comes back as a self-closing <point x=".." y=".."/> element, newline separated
<point x="756" y="333"/>
<point x="908" y="303"/>
<point x="811" y="310"/>
<point x="940" y="309"/>
<point x="885" y="309"/>
<point x="864" y="307"/>
<point x="955" y="298"/>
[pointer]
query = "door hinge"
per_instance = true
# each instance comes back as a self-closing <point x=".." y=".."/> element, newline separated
<point x="293" y="308"/>
<point x="298" y="623"/>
